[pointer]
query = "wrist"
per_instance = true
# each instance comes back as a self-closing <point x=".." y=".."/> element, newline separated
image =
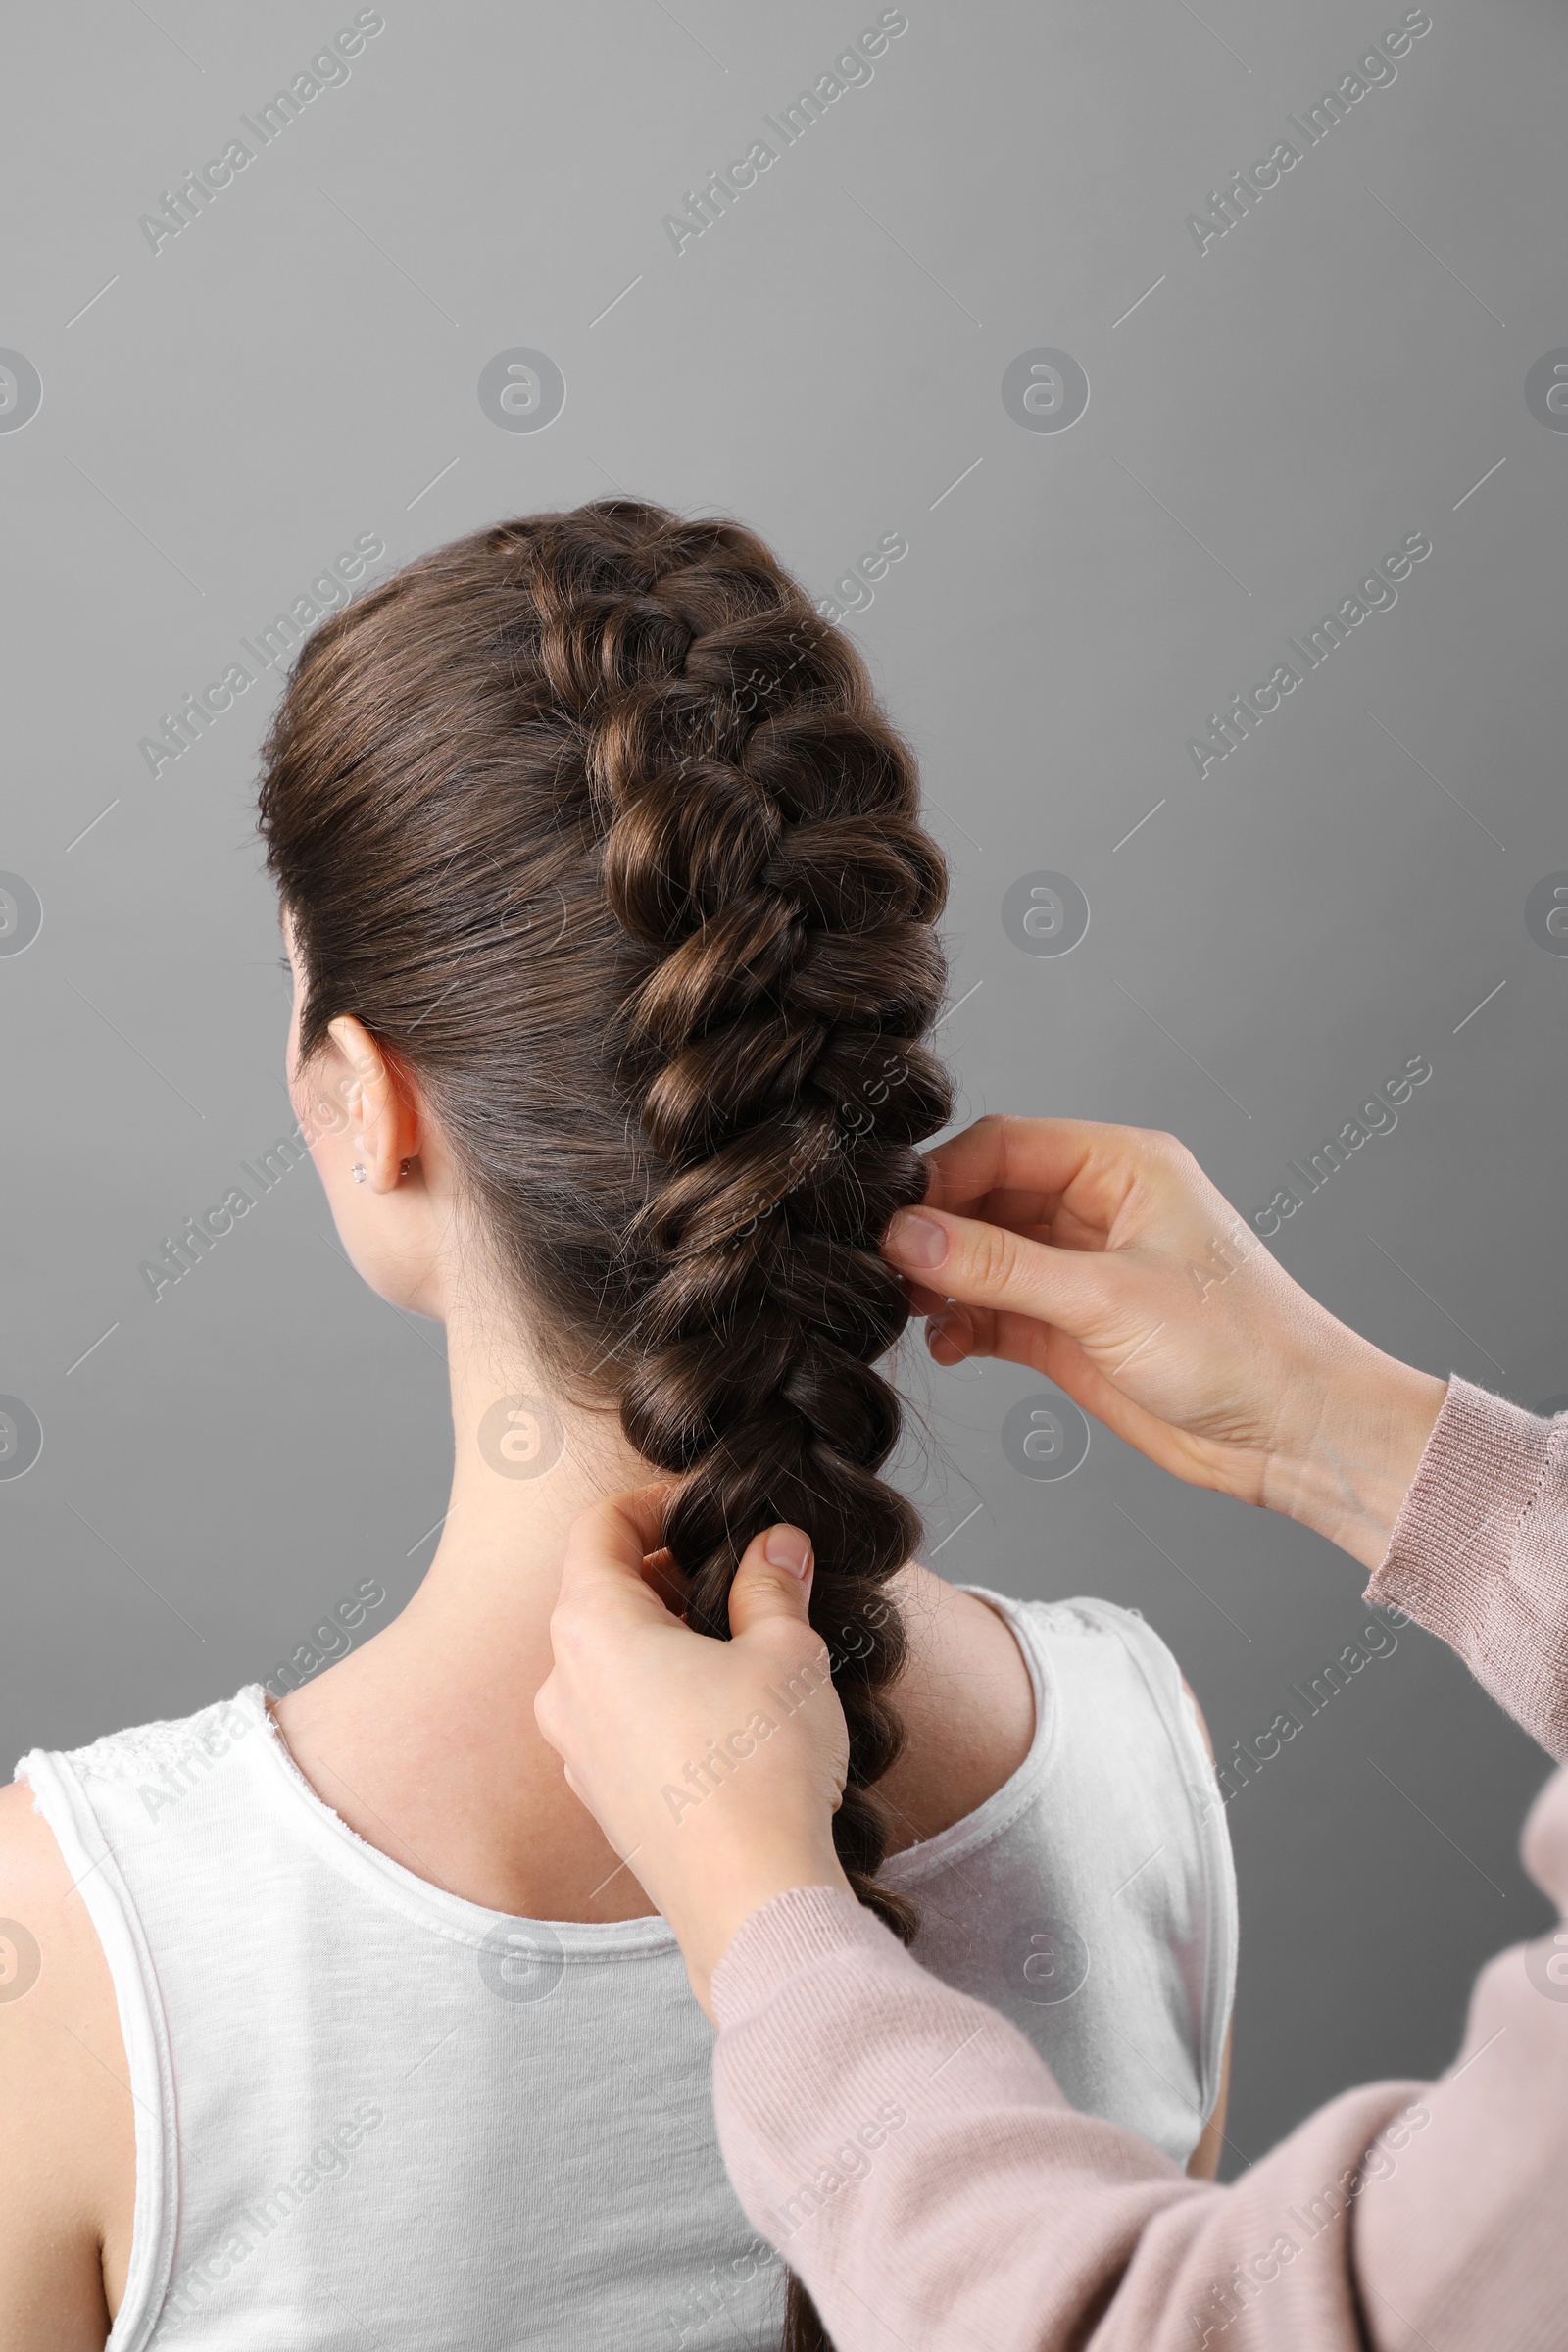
<point x="1359" y="1429"/>
<point x="715" y="1905"/>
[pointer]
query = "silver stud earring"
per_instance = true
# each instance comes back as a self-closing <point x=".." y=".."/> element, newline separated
<point x="404" y="1165"/>
<point x="357" y="1173"/>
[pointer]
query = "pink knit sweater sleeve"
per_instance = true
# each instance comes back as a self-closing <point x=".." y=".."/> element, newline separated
<point x="916" y="2163"/>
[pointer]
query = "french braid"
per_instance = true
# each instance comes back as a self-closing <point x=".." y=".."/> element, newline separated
<point x="725" y="1077"/>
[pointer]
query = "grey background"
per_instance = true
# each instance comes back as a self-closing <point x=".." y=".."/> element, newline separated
<point x="221" y="418"/>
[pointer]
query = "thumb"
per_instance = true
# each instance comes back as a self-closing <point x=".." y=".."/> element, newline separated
<point x="988" y="1265"/>
<point x="773" y="1582"/>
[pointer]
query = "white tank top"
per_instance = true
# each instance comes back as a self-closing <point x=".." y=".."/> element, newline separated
<point x="371" y="2114"/>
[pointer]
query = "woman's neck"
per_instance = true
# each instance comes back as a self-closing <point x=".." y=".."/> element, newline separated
<point x="523" y="1470"/>
<point x="424" y="1738"/>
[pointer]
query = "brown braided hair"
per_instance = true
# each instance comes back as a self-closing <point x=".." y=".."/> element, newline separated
<point x="600" y="831"/>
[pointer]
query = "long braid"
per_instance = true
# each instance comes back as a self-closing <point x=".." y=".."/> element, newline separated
<point x="767" y="850"/>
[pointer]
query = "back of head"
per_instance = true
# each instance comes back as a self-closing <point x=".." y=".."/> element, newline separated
<point x="600" y="831"/>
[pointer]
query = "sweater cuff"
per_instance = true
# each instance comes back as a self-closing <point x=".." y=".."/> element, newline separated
<point x="1453" y="1541"/>
<point x="787" y="1934"/>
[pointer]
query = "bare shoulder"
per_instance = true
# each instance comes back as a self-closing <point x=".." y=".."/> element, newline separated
<point x="68" y="2146"/>
<point x="966" y="1702"/>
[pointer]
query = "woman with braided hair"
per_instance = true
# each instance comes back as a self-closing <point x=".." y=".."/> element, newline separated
<point x="612" y="925"/>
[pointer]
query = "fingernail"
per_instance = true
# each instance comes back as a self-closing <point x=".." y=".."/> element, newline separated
<point x="918" y="1241"/>
<point x="789" y="1547"/>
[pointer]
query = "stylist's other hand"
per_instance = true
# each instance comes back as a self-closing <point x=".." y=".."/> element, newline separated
<point x="1103" y="1258"/>
<point x="713" y="1768"/>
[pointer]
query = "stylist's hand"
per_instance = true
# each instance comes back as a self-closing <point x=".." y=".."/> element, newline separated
<point x="715" y="1768"/>
<point x="1103" y="1258"/>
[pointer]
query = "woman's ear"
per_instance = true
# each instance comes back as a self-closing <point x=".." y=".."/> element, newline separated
<point x="383" y="1125"/>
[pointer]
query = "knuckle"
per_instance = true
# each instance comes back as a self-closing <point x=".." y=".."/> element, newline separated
<point x="996" y="1258"/>
<point x="1168" y="1151"/>
<point x="569" y="1630"/>
<point x="1095" y="1285"/>
<point x="802" y="1651"/>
